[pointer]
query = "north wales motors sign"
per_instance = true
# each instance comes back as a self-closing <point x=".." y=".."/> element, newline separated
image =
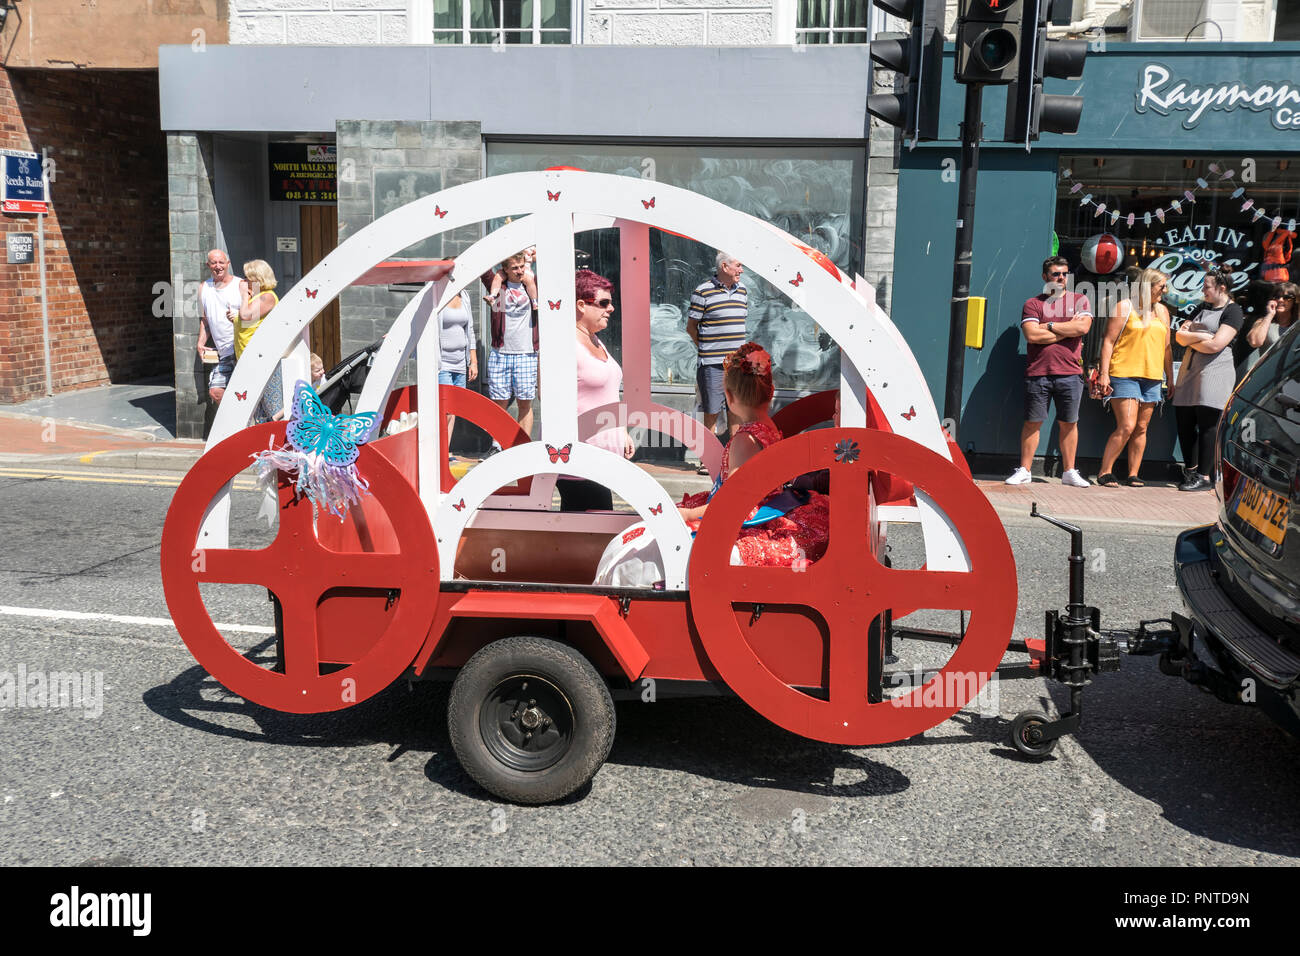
<point x="22" y="185"/>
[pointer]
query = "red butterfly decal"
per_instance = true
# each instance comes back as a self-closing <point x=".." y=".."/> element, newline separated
<point x="555" y="304"/>
<point x="910" y="413"/>
<point x="798" y="279"/>
<point x="633" y="535"/>
<point x="311" y="293"/>
<point x="559" y="454"/>
<point x="241" y="395"/>
<point x="552" y="196"/>
<point x="460" y="505"/>
<point x="648" y="203"/>
<point x="656" y="509"/>
<point x="439" y="212"/>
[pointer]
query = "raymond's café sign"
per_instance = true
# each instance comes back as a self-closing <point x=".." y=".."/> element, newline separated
<point x="1162" y="92"/>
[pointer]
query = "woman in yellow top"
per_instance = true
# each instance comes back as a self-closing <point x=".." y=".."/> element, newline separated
<point x="256" y="291"/>
<point x="1134" y="354"/>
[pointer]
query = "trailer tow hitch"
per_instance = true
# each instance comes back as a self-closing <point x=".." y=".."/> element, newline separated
<point x="1073" y="646"/>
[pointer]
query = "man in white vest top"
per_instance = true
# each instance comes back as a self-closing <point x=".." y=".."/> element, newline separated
<point x="217" y="296"/>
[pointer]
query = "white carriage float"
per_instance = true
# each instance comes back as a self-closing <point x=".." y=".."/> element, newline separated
<point x="405" y="586"/>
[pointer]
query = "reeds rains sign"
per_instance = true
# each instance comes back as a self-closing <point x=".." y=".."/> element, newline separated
<point x="1164" y="93"/>
<point x="23" y="184"/>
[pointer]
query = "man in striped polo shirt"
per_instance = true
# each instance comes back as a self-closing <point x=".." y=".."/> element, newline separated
<point x="716" y="323"/>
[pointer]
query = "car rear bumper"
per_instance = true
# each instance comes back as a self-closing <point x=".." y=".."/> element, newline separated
<point x="1235" y="644"/>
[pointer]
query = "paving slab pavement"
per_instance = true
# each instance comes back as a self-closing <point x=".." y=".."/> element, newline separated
<point x="1159" y="504"/>
<point x="119" y="433"/>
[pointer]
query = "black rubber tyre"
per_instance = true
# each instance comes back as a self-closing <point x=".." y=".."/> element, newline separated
<point x="1022" y="730"/>
<point x="530" y="719"/>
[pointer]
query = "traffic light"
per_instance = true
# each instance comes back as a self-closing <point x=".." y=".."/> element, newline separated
<point x="1030" y="111"/>
<point x="916" y="57"/>
<point x="988" y="41"/>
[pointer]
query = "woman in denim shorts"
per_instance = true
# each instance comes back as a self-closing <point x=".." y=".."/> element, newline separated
<point x="1134" y="354"/>
<point x="459" y="363"/>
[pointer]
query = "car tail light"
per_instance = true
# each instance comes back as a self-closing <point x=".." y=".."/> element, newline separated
<point x="1229" y="476"/>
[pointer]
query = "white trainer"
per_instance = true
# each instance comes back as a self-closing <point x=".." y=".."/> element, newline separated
<point x="1020" y="476"/>
<point x="1074" y="479"/>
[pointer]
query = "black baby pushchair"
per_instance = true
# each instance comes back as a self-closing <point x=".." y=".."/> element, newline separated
<point x="347" y="378"/>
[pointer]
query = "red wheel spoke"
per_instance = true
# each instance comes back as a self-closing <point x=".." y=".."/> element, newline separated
<point x="301" y="648"/>
<point x="236" y="565"/>
<point x="848" y="530"/>
<point x="359" y="569"/>
<point x="939" y="590"/>
<point x="848" y="665"/>
<point x="752" y="585"/>
<point x="296" y="518"/>
<point x="849" y="623"/>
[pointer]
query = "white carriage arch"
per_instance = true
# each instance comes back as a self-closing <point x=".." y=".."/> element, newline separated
<point x="552" y="204"/>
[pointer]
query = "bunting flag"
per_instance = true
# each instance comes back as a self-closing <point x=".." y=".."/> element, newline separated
<point x="1175" y="205"/>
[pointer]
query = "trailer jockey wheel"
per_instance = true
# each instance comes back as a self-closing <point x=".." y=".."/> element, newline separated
<point x="1025" y="734"/>
<point x="850" y="588"/>
<point x="299" y="570"/>
<point x="530" y="719"/>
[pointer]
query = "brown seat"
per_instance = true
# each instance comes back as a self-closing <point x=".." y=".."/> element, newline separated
<point x="541" y="557"/>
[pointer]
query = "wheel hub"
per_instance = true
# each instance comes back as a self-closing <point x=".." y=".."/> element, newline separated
<point x="527" y="723"/>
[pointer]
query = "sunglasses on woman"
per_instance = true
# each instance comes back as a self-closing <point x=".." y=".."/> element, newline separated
<point x="600" y="303"/>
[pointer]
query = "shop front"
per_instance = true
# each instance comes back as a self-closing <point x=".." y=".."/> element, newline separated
<point x="1186" y="159"/>
<point x="728" y="124"/>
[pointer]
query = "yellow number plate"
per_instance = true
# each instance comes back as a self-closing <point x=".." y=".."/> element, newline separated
<point x="1263" y="510"/>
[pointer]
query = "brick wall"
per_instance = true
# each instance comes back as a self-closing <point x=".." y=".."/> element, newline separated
<point x="105" y="242"/>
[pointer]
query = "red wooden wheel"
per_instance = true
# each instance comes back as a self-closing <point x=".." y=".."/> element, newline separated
<point x="850" y="588"/>
<point x="803" y="413"/>
<point x="475" y="408"/>
<point x="299" y="570"/>
<point x="807" y="411"/>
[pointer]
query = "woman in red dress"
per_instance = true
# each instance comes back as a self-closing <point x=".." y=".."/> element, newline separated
<point x="794" y="539"/>
<point x="800" y="535"/>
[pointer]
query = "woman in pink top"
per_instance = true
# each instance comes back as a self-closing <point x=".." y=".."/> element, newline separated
<point x="599" y="382"/>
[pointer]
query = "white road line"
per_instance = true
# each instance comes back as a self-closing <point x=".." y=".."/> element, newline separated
<point x="122" y="619"/>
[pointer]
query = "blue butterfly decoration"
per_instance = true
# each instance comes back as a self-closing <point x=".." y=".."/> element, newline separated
<point x="315" y="430"/>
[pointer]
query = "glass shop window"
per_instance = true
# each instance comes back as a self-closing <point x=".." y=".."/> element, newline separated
<point x="814" y="194"/>
<point x="1182" y="216"/>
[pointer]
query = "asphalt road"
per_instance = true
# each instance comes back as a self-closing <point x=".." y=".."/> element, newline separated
<point x="177" y="771"/>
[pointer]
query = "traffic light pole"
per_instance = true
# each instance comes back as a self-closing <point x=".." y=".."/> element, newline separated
<point x="972" y="129"/>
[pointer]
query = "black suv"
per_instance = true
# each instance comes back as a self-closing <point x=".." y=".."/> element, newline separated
<point x="1240" y="578"/>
